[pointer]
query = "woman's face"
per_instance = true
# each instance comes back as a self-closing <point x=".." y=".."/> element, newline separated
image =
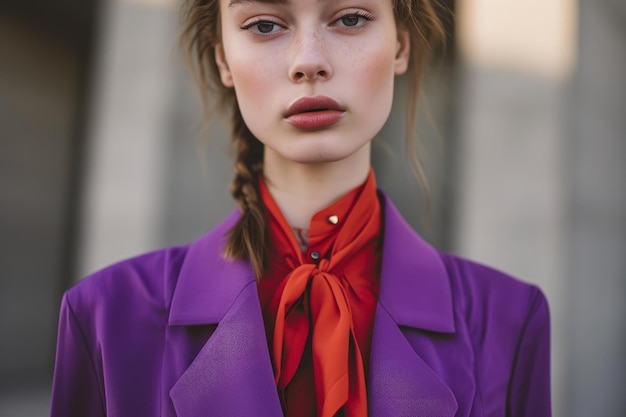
<point x="313" y="78"/>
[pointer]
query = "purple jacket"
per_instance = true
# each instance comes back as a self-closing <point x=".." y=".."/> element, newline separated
<point x="179" y="332"/>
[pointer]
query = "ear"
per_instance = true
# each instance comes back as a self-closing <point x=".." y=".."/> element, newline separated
<point x="403" y="52"/>
<point x="222" y="66"/>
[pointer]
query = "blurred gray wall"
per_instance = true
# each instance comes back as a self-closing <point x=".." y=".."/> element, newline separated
<point x="44" y="71"/>
<point x="595" y="233"/>
<point x="511" y="206"/>
<point x="542" y="195"/>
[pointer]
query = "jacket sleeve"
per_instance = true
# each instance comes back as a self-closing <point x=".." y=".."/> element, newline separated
<point x="529" y="389"/>
<point x="75" y="388"/>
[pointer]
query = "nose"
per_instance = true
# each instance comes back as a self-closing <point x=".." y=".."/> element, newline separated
<point x="309" y="58"/>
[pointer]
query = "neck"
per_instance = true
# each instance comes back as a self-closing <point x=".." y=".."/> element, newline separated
<point x="301" y="190"/>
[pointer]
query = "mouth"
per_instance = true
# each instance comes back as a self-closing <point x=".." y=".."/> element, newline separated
<point x="313" y="105"/>
<point x="314" y="113"/>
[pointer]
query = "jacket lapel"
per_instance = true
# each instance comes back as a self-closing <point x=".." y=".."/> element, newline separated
<point x="414" y="292"/>
<point x="232" y="373"/>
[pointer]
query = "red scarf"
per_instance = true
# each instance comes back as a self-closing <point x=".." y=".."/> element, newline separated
<point x="319" y="305"/>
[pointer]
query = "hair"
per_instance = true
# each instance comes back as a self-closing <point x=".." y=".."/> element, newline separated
<point x="201" y="31"/>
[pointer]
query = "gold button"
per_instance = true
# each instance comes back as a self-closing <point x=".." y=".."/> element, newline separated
<point x="333" y="219"/>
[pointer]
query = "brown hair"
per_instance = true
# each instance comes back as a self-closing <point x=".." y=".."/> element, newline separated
<point x="249" y="237"/>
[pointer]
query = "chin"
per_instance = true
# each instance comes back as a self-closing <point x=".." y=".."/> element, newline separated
<point x="318" y="147"/>
<point x="315" y="157"/>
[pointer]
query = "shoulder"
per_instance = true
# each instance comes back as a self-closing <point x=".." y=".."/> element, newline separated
<point x="477" y="295"/>
<point x="481" y="288"/>
<point x="148" y="279"/>
<point x="507" y="322"/>
<point x="501" y="314"/>
<point x="144" y="281"/>
<point x="477" y="317"/>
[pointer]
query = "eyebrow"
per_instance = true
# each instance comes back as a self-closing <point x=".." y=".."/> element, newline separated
<point x="233" y="3"/>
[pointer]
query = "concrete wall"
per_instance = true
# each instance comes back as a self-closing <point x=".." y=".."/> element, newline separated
<point x="595" y="233"/>
<point x="542" y="194"/>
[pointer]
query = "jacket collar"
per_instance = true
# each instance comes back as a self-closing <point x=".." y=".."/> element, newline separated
<point x="208" y="284"/>
<point x="414" y="288"/>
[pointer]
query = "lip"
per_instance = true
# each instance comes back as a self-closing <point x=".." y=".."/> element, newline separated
<point x="312" y="113"/>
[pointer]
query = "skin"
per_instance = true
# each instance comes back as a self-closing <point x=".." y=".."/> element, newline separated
<point x="349" y="50"/>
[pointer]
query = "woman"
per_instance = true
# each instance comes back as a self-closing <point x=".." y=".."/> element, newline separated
<point x="314" y="298"/>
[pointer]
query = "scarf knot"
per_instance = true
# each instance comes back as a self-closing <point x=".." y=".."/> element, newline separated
<point x="313" y="297"/>
<point x="319" y="314"/>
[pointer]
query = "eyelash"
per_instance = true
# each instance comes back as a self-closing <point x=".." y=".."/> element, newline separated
<point x="257" y="22"/>
<point x="358" y="14"/>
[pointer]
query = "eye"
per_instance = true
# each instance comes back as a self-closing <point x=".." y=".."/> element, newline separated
<point x="353" y="20"/>
<point x="262" y="27"/>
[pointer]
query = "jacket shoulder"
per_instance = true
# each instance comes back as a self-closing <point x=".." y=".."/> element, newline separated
<point x="144" y="279"/>
<point x="508" y="323"/>
<point x="143" y="283"/>
<point x="499" y="311"/>
<point x="476" y="285"/>
<point x="482" y="291"/>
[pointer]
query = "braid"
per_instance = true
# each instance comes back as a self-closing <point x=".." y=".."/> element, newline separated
<point x="249" y="237"/>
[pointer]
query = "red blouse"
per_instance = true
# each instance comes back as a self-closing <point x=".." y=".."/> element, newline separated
<point x="319" y="305"/>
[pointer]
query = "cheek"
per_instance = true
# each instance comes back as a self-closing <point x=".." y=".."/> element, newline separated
<point x="375" y="76"/>
<point x="373" y="62"/>
<point x="251" y="87"/>
<point x="252" y="80"/>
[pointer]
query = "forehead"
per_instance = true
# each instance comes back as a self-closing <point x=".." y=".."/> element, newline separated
<point x="232" y="3"/>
